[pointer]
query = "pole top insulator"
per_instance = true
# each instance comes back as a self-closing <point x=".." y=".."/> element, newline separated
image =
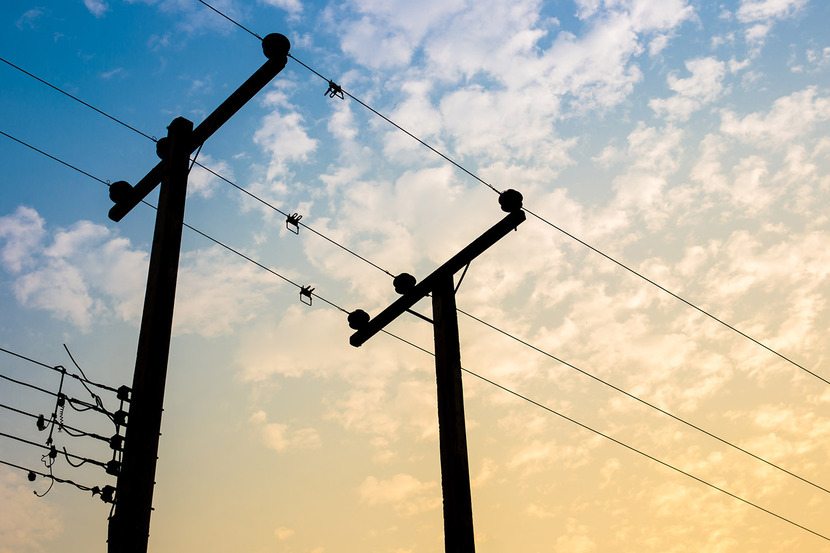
<point x="403" y="283"/>
<point x="119" y="191"/>
<point x="510" y="201"/>
<point x="358" y="319"/>
<point x="275" y="46"/>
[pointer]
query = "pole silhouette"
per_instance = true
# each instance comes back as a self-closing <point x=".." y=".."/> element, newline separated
<point x="455" y="472"/>
<point x="129" y="527"/>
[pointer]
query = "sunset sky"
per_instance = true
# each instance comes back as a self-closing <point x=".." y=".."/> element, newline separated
<point x="686" y="139"/>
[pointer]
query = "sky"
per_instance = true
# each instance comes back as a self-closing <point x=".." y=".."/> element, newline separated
<point x="685" y="139"/>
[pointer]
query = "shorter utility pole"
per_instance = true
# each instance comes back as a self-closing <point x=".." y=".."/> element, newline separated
<point x="129" y="526"/>
<point x="452" y="434"/>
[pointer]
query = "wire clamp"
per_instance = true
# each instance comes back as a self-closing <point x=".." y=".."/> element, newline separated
<point x="292" y="222"/>
<point x="305" y="294"/>
<point x="334" y="91"/>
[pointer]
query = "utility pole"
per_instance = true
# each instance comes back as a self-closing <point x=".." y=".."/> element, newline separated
<point x="452" y="434"/>
<point x="129" y="527"/>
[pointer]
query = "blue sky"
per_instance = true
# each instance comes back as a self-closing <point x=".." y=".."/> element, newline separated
<point x="687" y="139"/>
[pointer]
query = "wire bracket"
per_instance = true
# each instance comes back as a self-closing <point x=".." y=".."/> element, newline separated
<point x="305" y="294"/>
<point x="334" y="91"/>
<point x="292" y="222"/>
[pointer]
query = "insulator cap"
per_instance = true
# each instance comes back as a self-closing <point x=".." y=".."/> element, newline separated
<point x="510" y="201"/>
<point x="113" y="468"/>
<point x="275" y="46"/>
<point x="120" y="417"/>
<point x="403" y="283"/>
<point x="107" y="494"/>
<point x="162" y="147"/>
<point x="358" y="319"/>
<point x="124" y="393"/>
<point x="119" y="191"/>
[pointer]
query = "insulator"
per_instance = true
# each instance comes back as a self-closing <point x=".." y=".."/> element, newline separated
<point x="510" y="201"/>
<point x="358" y="319"/>
<point x="162" y="147"/>
<point x="120" y="191"/>
<point x="117" y="442"/>
<point x="403" y="283"/>
<point x="123" y="393"/>
<point x="107" y="494"/>
<point x="275" y="46"/>
<point x="120" y="417"/>
<point x="41" y="422"/>
<point x="113" y="467"/>
<point x="53" y="452"/>
<point x="31" y="476"/>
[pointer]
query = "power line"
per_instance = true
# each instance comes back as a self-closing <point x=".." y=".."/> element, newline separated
<point x="53" y="450"/>
<point x="536" y="215"/>
<point x="202" y="166"/>
<point x="50" y="476"/>
<point x="643" y="401"/>
<point x="74" y="403"/>
<point x="366" y="260"/>
<point x="68" y="429"/>
<point x="540" y="405"/>
<point x="58" y="368"/>
<point x="623" y="444"/>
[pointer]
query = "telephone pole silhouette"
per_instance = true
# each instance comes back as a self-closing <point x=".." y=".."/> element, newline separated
<point x="452" y="434"/>
<point x="129" y="527"/>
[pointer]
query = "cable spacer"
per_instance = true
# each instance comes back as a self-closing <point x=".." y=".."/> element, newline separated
<point x="292" y="222"/>
<point x="334" y="90"/>
<point x="305" y="292"/>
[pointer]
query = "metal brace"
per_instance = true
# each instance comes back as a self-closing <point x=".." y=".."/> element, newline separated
<point x="305" y="292"/>
<point x="334" y="90"/>
<point x="292" y="222"/>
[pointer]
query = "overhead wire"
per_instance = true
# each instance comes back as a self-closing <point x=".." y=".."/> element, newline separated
<point x="538" y="216"/>
<point x="50" y="476"/>
<point x="57" y="368"/>
<point x="73" y="402"/>
<point x="389" y="273"/>
<point x="619" y="442"/>
<point x="47" y="448"/>
<point x="65" y="427"/>
<point x="368" y="261"/>
<point x="538" y="404"/>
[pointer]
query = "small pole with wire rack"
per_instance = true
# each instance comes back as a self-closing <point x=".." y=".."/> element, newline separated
<point x="129" y="526"/>
<point x="452" y="434"/>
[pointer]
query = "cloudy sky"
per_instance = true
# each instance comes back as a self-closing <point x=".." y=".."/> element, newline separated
<point x="686" y="139"/>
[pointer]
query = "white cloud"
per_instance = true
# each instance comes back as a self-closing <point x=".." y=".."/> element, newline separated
<point x="791" y="117"/>
<point x="281" y="437"/>
<point x="28" y="523"/>
<point x="202" y="182"/>
<point x="763" y="10"/>
<point x="403" y="492"/>
<point x="761" y="15"/>
<point x="22" y="233"/>
<point x="293" y="7"/>
<point x="283" y="135"/>
<point x="702" y="87"/>
<point x="96" y="7"/>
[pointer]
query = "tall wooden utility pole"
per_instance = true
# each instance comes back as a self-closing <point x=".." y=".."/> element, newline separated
<point x="129" y="527"/>
<point x="452" y="435"/>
